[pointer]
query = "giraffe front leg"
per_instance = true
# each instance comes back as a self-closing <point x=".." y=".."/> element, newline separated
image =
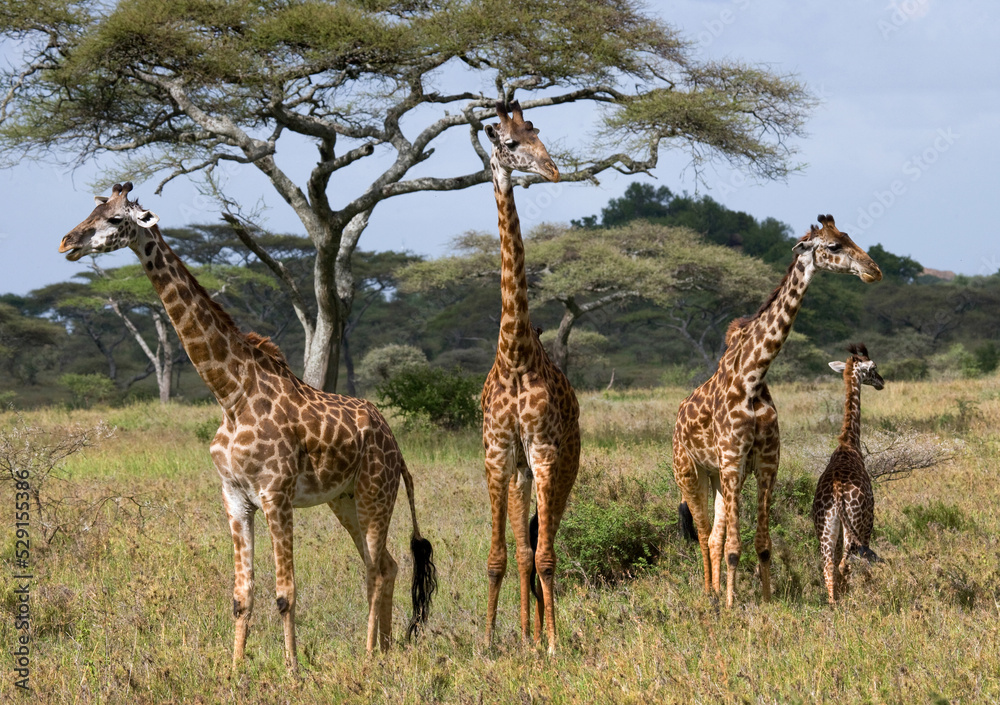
<point x="731" y="489"/>
<point x="717" y="539"/>
<point x="278" y="512"/>
<point x="241" y="521"/>
<point x="496" y="564"/>
<point x="766" y="472"/>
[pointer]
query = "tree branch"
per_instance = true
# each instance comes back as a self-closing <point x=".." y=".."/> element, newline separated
<point x="298" y="302"/>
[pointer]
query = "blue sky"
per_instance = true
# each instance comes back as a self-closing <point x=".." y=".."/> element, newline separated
<point x="900" y="151"/>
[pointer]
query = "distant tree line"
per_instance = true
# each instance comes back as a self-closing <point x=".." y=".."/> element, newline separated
<point x="640" y="295"/>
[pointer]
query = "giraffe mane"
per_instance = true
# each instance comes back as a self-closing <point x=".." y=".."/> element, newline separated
<point x="736" y="326"/>
<point x="255" y="340"/>
<point x="267" y="346"/>
<point x="747" y="320"/>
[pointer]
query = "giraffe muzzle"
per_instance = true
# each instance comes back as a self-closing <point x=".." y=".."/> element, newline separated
<point x="72" y="253"/>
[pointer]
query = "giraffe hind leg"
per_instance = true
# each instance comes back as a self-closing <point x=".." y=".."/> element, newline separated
<point x="536" y="587"/>
<point x="278" y="512"/>
<point x="767" y="469"/>
<point x="695" y="489"/>
<point x="497" y="480"/>
<point x="519" y="512"/>
<point x="829" y="539"/>
<point x="553" y="495"/>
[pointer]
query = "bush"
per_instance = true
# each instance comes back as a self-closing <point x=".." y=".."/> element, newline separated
<point x="910" y="369"/>
<point x="618" y="530"/>
<point x="678" y="376"/>
<point x="381" y="364"/>
<point x="476" y="361"/>
<point x="955" y="362"/>
<point x="446" y="399"/>
<point x="88" y="389"/>
<point x="987" y="357"/>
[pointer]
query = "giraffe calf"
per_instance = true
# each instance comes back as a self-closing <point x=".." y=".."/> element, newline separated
<point x="844" y="507"/>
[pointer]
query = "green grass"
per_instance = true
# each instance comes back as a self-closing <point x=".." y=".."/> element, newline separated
<point x="131" y="602"/>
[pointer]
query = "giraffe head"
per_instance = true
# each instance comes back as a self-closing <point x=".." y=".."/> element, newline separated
<point x="834" y="251"/>
<point x="112" y="225"/>
<point x="865" y="370"/>
<point x="516" y="145"/>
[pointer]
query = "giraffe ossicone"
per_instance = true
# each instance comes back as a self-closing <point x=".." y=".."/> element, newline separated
<point x="727" y="428"/>
<point x="531" y="430"/>
<point x="843" y="510"/>
<point x="282" y="444"/>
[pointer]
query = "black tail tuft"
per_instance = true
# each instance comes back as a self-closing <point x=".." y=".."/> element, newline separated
<point x="866" y="553"/>
<point x="424" y="583"/>
<point x="687" y="522"/>
<point x="536" y="589"/>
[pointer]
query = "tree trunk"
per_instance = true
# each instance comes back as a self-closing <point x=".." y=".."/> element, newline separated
<point x="322" y="353"/>
<point x="165" y="352"/>
<point x="345" y="346"/>
<point x="560" y="346"/>
<point x="162" y="359"/>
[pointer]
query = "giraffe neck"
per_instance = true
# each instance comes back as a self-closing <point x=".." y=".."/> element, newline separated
<point x="216" y="347"/>
<point x="770" y="327"/>
<point x="850" y="434"/>
<point x="515" y="324"/>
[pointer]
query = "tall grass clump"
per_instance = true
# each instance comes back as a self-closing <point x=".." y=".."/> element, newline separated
<point x="617" y="523"/>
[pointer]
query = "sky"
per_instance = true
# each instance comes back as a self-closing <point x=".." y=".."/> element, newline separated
<point x="900" y="150"/>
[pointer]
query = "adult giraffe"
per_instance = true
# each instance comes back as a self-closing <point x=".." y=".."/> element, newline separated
<point x="728" y="427"/>
<point x="531" y="428"/>
<point x="282" y="444"/>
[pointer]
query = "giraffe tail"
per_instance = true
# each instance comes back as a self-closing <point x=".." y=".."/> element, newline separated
<point x="687" y="522"/>
<point x="866" y="553"/>
<point x="424" y="570"/>
<point x="536" y="589"/>
<point x="858" y="547"/>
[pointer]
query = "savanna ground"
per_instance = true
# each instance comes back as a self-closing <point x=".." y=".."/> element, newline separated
<point x="131" y="600"/>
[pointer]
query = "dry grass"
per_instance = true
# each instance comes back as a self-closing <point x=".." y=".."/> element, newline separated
<point x="134" y="605"/>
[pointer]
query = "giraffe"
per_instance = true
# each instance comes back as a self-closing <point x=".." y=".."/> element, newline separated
<point x="531" y="430"/>
<point x="844" y="507"/>
<point x="728" y="427"/>
<point x="281" y="443"/>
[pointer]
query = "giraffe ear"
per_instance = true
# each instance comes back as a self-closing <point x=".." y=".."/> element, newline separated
<point x="802" y="246"/>
<point x="146" y="219"/>
<point x="491" y="133"/>
<point x="100" y="200"/>
<point x="838" y="366"/>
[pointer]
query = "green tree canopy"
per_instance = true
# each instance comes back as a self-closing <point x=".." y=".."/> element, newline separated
<point x="181" y="88"/>
<point x="585" y="270"/>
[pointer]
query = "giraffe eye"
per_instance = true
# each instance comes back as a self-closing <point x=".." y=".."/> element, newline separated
<point x="834" y="247"/>
<point x="511" y="144"/>
<point x="115" y="220"/>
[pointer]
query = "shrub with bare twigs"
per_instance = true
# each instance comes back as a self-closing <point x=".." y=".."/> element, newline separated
<point x="31" y="457"/>
<point x="894" y="455"/>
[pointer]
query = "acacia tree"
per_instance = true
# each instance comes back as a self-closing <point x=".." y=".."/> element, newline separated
<point x="178" y="89"/>
<point x="78" y="307"/>
<point x="590" y="269"/>
<point x="127" y="293"/>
